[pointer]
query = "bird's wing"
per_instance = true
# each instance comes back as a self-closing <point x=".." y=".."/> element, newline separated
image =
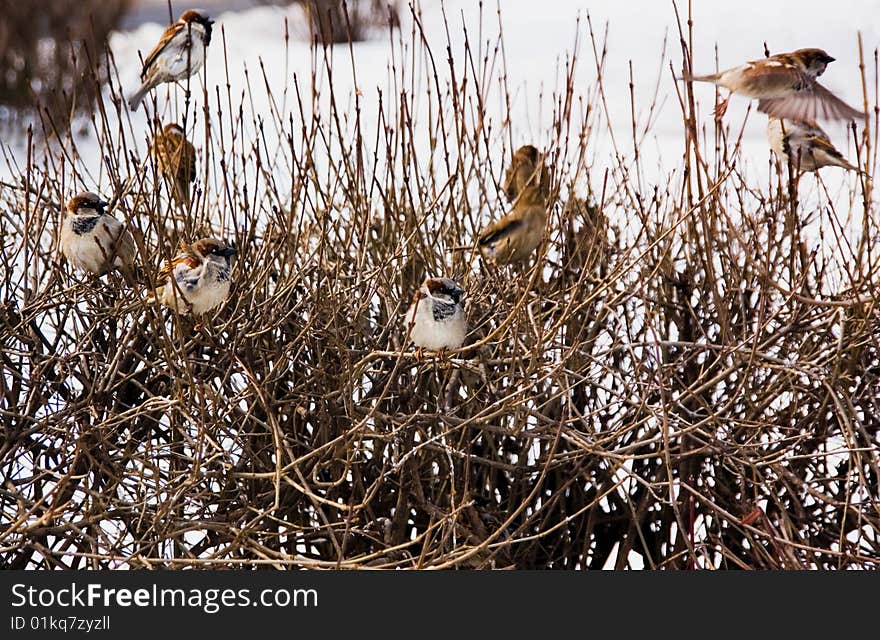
<point x="125" y="246"/>
<point x="766" y="79"/>
<point x="168" y="270"/>
<point x="812" y="103"/>
<point x="819" y="142"/>
<point x="823" y="145"/>
<point x="165" y="272"/>
<point x="499" y="230"/>
<point x="166" y="38"/>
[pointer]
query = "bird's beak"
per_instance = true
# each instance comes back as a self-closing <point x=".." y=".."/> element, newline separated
<point x="228" y="251"/>
<point x="827" y="59"/>
<point x="102" y="204"/>
<point x="209" y="21"/>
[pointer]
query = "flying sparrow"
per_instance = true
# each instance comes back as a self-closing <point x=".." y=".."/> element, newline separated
<point x="514" y="237"/>
<point x="804" y="145"/>
<point x="176" y="160"/>
<point x="92" y="240"/>
<point x="179" y="54"/>
<point x="785" y="86"/>
<point x="197" y="279"/>
<point x="437" y="315"/>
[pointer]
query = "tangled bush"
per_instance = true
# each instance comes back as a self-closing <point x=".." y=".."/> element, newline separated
<point x="681" y="378"/>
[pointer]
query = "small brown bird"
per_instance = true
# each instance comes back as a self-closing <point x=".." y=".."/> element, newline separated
<point x="785" y="86"/>
<point x="92" y="240"/>
<point x="514" y="237"/>
<point x="522" y="172"/>
<point x="804" y="145"/>
<point x="437" y="315"/>
<point x="179" y="54"/>
<point x="197" y="279"/>
<point x="175" y="160"/>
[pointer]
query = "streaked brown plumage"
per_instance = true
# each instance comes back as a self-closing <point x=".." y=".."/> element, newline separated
<point x="514" y="237"/>
<point x="785" y="86"/>
<point x="522" y="172"/>
<point x="176" y="161"/>
<point x="804" y="145"/>
<point x="198" y="279"/>
<point x="93" y="240"/>
<point x="174" y="58"/>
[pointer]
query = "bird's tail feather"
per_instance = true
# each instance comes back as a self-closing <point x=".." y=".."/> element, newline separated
<point x="180" y="192"/>
<point x="136" y="99"/>
<point x="709" y="78"/>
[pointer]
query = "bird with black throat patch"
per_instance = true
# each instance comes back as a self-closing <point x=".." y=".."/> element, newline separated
<point x="94" y="241"/>
<point x="436" y="319"/>
<point x="785" y="86"/>
<point x="179" y="54"/>
<point x="804" y="145"/>
<point x="175" y="159"/>
<point x="514" y="237"/>
<point x="198" y="279"/>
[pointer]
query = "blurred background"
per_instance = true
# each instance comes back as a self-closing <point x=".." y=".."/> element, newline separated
<point x="49" y="47"/>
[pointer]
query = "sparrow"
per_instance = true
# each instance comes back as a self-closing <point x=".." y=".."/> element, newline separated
<point x="804" y="145"/>
<point x="179" y="53"/>
<point x="436" y="316"/>
<point x="93" y="240"/>
<point x="176" y="160"/>
<point x="522" y="172"/>
<point x="514" y="237"/>
<point x="785" y="86"/>
<point x="197" y="279"/>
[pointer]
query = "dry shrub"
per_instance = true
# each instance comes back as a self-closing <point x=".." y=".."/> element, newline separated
<point x="685" y="378"/>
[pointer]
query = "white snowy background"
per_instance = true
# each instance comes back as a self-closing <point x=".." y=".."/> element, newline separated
<point x="538" y="37"/>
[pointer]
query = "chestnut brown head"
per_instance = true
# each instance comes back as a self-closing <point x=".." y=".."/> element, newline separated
<point x="193" y="16"/>
<point x="206" y="247"/>
<point x="86" y="202"/>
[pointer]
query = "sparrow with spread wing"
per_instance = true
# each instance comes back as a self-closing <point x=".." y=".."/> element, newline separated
<point x="179" y="54"/>
<point x="804" y="145"/>
<point x="785" y="86"/>
<point x="93" y="240"/>
<point x="437" y="315"/>
<point x="175" y="160"/>
<point x="197" y="279"/>
<point x="514" y="237"/>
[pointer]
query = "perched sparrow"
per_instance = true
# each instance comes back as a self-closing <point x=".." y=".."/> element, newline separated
<point x="179" y="54"/>
<point x="514" y="237"/>
<point x="437" y="315"/>
<point x="92" y="239"/>
<point x="523" y="171"/>
<point x="176" y="160"/>
<point x="197" y="280"/>
<point x="785" y="86"/>
<point x="804" y="145"/>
